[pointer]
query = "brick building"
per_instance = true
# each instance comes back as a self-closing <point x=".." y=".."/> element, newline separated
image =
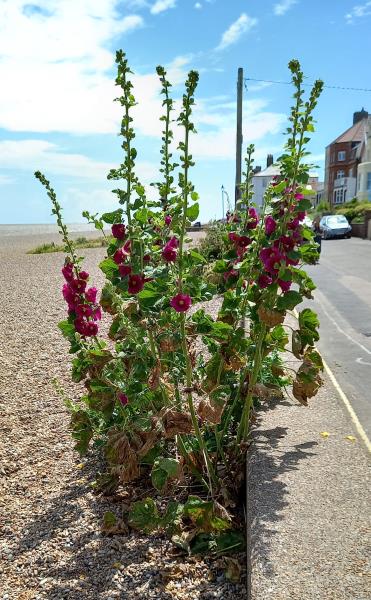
<point x="343" y="156"/>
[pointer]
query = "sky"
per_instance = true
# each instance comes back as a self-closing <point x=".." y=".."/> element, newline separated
<point x="57" y="88"/>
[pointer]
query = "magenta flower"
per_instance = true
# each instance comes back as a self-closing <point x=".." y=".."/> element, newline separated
<point x="84" y="311"/>
<point x="173" y="242"/>
<point x="86" y="328"/>
<point x="270" y="225"/>
<point x="264" y="281"/>
<point x="136" y="284"/>
<point x="233" y="237"/>
<point x="119" y="257"/>
<point x="299" y="197"/>
<point x="125" y="270"/>
<point x="243" y="241"/>
<point x="181" y="302"/>
<point x="147" y="258"/>
<point x="78" y="285"/>
<point x="123" y="398"/>
<point x="97" y="313"/>
<point x="301" y="216"/>
<point x="169" y="254"/>
<point x="67" y="271"/>
<point x="118" y="231"/>
<point x="284" y="285"/>
<point x="91" y="295"/>
<point x="168" y="220"/>
<point x="84" y="275"/>
<point x="253" y="218"/>
<point x="230" y="274"/>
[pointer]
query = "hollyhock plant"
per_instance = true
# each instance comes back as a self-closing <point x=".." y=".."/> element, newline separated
<point x="119" y="231"/>
<point x="136" y="283"/>
<point x="181" y="302"/>
<point x="270" y="225"/>
<point x="194" y="378"/>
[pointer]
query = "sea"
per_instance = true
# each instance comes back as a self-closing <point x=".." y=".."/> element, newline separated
<point x="43" y="229"/>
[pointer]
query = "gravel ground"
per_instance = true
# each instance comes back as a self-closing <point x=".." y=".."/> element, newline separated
<point x="50" y="541"/>
<point x="309" y="504"/>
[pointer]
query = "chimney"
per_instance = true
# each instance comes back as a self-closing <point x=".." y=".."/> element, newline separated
<point x="359" y="115"/>
<point x="269" y="160"/>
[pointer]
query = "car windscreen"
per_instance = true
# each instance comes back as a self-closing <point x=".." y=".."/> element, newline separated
<point x="337" y="220"/>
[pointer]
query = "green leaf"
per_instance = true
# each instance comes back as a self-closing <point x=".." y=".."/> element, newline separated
<point x="204" y="515"/>
<point x="193" y="211"/>
<point x="144" y="515"/>
<point x="304" y="204"/>
<point x="288" y="300"/>
<point x="109" y="268"/>
<point x="163" y="470"/>
<point x="222" y="543"/>
<point x="67" y="329"/>
<point x="113" y="217"/>
<point x="197" y="256"/>
<point x="141" y="215"/>
<point x="296" y="344"/>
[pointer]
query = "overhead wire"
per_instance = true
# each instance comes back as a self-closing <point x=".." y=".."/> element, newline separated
<point x="332" y="87"/>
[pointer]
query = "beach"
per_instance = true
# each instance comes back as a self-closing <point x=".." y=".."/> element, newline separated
<point x="51" y="544"/>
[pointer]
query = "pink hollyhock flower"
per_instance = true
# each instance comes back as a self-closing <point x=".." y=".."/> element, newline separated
<point x="119" y="256"/>
<point x="78" y="285"/>
<point x="253" y="218"/>
<point x="86" y="328"/>
<point x="123" y="398"/>
<point x="91" y="295"/>
<point x="243" y="241"/>
<point x="169" y="254"/>
<point x="264" y="281"/>
<point x="118" y="231"/>
<point x="270" y="225"/>
<point x="97" y="313"/>
<point x="71" y="297"/>
<point x="232" y="273"/>
<point x="67" y="271"/>
<point x="233" y="237"/>
<point x="147" y="258"/>
<point x="136" y="284"/>
<point x="84" y="311"/>
<point x="299" y="197"/>
<point x="294" y="224"/>
<point x="301" y="216"/>
<point x="168" y="220"/>
<point x="125" y="270"/>
<point x="181" y="302"/>
<point x="284" y="285"/>
<point x="173" y="242"/>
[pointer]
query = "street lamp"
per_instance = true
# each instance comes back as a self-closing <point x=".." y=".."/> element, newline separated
<point x="226" y="193"/>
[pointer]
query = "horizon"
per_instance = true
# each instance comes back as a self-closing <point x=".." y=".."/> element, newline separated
<point x="57" y="112"/>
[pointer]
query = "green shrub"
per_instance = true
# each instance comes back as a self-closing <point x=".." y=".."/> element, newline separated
<point x="354" y="210"/>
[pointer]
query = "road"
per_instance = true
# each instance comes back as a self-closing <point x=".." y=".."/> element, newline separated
<point x="343" y="304"/>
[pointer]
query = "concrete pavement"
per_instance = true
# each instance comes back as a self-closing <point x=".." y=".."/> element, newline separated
<point x="343" y="303"/>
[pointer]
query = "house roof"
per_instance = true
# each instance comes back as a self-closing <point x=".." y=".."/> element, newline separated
<point x="356" y="133"/>
<point x="273" y="170"/>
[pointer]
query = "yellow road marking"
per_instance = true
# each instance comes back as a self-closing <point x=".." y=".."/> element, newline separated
<point x="357" y="424"/>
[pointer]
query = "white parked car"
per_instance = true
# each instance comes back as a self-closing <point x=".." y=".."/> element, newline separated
<point x="335" y="226"/>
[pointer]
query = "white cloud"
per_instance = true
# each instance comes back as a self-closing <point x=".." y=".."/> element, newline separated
<point x="32" y="155"/>
<point x="359" y="10"/>
<point x="162" y="5"/>
<point x="57" y="68"/>
<point x="281" y="8"/>
<point x="243" y="24"/>
<point x="198" y="5"/>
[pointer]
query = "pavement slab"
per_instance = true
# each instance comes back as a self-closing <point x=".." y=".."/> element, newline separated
<point x="309" y="504"/>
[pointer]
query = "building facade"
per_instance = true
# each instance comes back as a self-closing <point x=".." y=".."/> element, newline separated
<point x="364" y="170"/>
<point x="343" y="157"/>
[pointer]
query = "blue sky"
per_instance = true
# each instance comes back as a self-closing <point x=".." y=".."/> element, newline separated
<point x="57" y="69"/>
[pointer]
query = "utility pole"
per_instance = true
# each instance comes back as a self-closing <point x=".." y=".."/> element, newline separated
<point x="239" y="138"/>
<point x="223" y="213"/>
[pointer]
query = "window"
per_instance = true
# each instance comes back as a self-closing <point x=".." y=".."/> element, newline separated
<point x="350" y="172"/>
<point x="369" y="182"/>
<point x="341" y="155"/>
<point x="340" y="174"/>
<point x="339" y="196"/>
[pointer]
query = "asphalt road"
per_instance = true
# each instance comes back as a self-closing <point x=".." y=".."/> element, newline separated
<point x="343" y="304"/>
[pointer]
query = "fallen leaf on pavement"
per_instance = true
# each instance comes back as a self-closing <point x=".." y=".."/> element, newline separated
<point x="324" y="434"/>
<point x="351" y="438"/>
